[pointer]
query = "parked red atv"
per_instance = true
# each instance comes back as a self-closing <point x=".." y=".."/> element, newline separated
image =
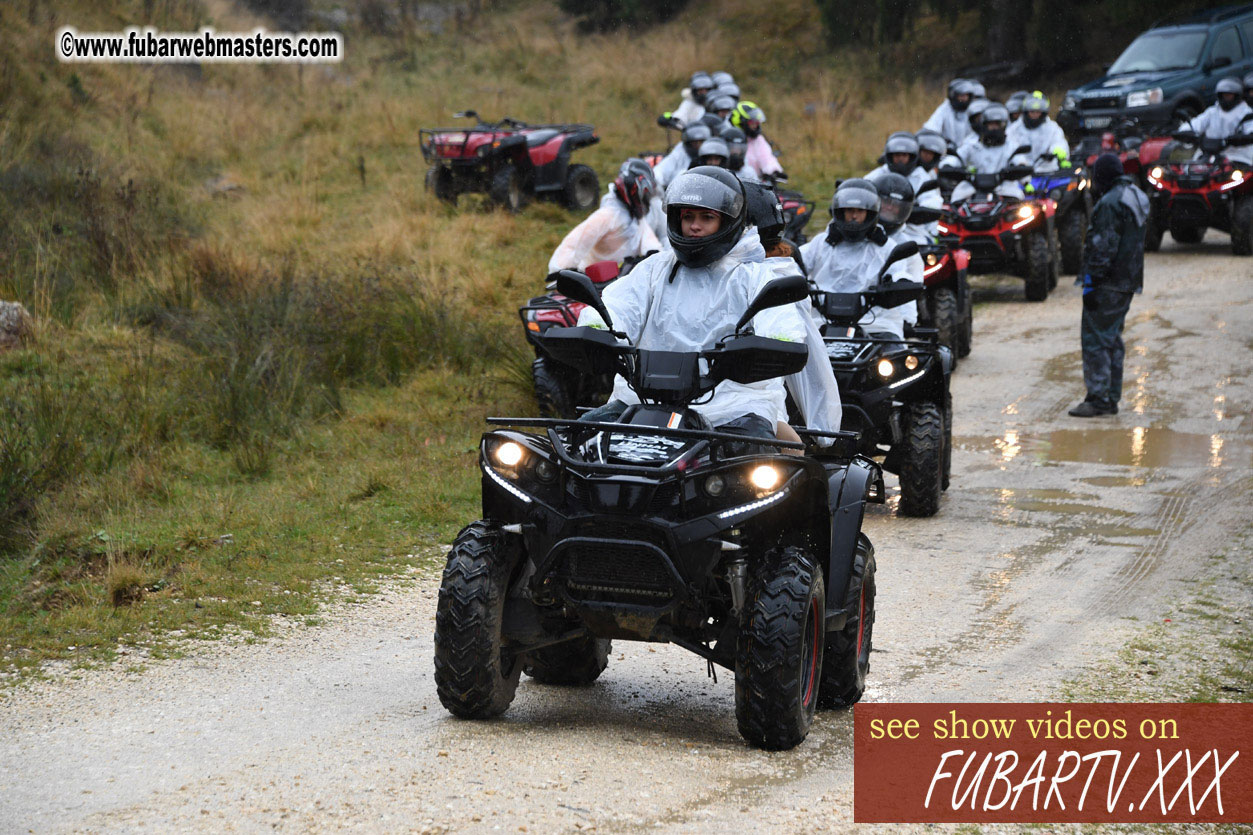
<point x="1191" y="191"/>
<point x="559" y="388"/>
<point x="1004" y="234"/>
<point x="511" y="161"/>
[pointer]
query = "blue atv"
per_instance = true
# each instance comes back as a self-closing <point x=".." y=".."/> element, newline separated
<point x="1071" y="190"/>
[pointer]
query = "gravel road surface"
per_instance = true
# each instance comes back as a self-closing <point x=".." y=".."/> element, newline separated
<point x="1057" y="540"/>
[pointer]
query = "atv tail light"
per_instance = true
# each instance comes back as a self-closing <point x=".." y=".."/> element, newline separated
<point x="885" y="368"/>
<point x="764" y="477"/>
<point x="508" y="453"/>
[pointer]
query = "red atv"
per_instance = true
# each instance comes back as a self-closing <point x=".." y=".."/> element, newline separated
<point x="1004" y="234"/>
<point x="946" y="306"/>
<point x="511" y="161"/>
<point x="1191" y="191"/>
<point x="559" y="388"/>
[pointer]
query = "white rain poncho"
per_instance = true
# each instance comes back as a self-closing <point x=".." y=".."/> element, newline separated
<point x="1242" y="153"/>
<point x="688" y="110"/>
<point x="814" y="389"/>
<point x="950" y="124"/>
<point x="760" y="157"/>
<point x="978" y="158"/>
<point x="1216" y="123"/>
<point x="853" y="267"/>
<point x="608" y="234"/>
<point x="656" y="220"/>
<point x="1046" y="140"/>
<point x="674" y="164"/>
<point x="692" y="312"/>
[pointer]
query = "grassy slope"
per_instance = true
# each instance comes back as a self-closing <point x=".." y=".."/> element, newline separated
<point x="133" y="542"/>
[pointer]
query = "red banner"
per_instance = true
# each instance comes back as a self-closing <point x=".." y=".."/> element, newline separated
<point x="1053" y="763"/>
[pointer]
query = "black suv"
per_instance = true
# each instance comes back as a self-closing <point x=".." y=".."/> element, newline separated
<point x="1165" y="75"/>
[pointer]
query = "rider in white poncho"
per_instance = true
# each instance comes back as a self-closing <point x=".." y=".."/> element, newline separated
<point x="619" y="229"/>
<point x="688" y="299"/>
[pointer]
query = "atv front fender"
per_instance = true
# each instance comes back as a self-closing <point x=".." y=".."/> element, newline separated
<point x="848" y="490"/>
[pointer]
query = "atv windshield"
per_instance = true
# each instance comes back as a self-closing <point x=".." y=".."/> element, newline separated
<point x="1159" y="51"/>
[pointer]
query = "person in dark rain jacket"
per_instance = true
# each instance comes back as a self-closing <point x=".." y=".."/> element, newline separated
<point x="1113" y="271"/>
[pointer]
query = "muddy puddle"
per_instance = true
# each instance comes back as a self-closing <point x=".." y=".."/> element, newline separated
<point x="1133" y="446"/>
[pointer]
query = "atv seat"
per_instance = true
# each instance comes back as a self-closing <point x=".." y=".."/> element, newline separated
<point x="539" y="137"/>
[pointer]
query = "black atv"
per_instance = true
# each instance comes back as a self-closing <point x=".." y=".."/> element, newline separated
<point x="658" y="528"/>
<point x="895" y="393"/>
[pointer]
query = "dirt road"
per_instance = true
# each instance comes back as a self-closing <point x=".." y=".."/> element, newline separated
<point x="1057" y="539"/>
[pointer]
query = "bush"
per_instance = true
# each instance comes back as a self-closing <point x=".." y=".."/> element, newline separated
<point x="607" y="15"/>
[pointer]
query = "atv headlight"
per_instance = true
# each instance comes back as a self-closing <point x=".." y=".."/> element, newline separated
<point x="932" y="260"/>
<point x="911" y="362"/>
<point x="765" y="477"/>
<point x="1144" y="98"/>
<point x="508" y="454"/>
<point x="545" y="470"/>
<point x="1025" y="211"/>
<point x="715" y="485"/>
<point x="885" y="368"/>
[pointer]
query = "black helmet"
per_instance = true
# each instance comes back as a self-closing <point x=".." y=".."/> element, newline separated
<point x="700" y="86"/>
<point x="1035" y="108"/>
<point x="933" y="141"/>
<point x="1228" y="91"/>
<point x="712" y="121"/>
<point x="635" y="186"/>
<point x="901" y="142"/>
<point x="693" y="135"/>
<point x="764" y="211"/>
<point x="749" y="118"/>
<point x="737" y="146"/>
<point x="854" y="194"/>
<point x="714" y="152"/>
<point x="718" y="101"/>
<point x="710" y="188"/>
<point x="722" y="77"/>
<point x="1014" y="103"/>
<point x="1248" y="88"/>
<point x="994" y="114"/>
<point x="959" y="88"/>
<point x="896" y="199"/>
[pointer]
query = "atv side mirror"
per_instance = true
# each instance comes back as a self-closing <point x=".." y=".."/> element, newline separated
<point x="1022" y="149"/>
<point x="787" y="290"/>
<point x="465" y="114"/>
<point x="929" y="185"/>
<point x="575" y="285"/>
<point x="902" y="251"/>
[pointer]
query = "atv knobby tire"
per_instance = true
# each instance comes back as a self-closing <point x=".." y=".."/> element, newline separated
<point x="1152" y="235"/>
<point x="1055" y="262"/>
<point x="552" y="392"/>
<point x="1071" y="227"/>
<point x="439" y="183"/>
<point x="1187" y="234"/>
<point x="778" y="658"/>
<point x="846" y="658"/>
<point x="473" y="677"/>
<point x="581" y="188"/>
<point x="506" y="189"/>
<point x="1039" y="267"/>
<point x="922" y="460"/>
<point x="575" y="663"/>
<point x="947" y="318"/>
<point x="967" y="332"/>
<point x="1242" y="227"/>
<point x="948" y="441"/>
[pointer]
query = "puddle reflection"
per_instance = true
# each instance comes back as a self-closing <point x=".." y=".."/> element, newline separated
<point x="1136" y="446"/>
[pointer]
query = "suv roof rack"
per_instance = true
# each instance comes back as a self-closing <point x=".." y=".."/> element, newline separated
<point x="1203" y="16"/>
